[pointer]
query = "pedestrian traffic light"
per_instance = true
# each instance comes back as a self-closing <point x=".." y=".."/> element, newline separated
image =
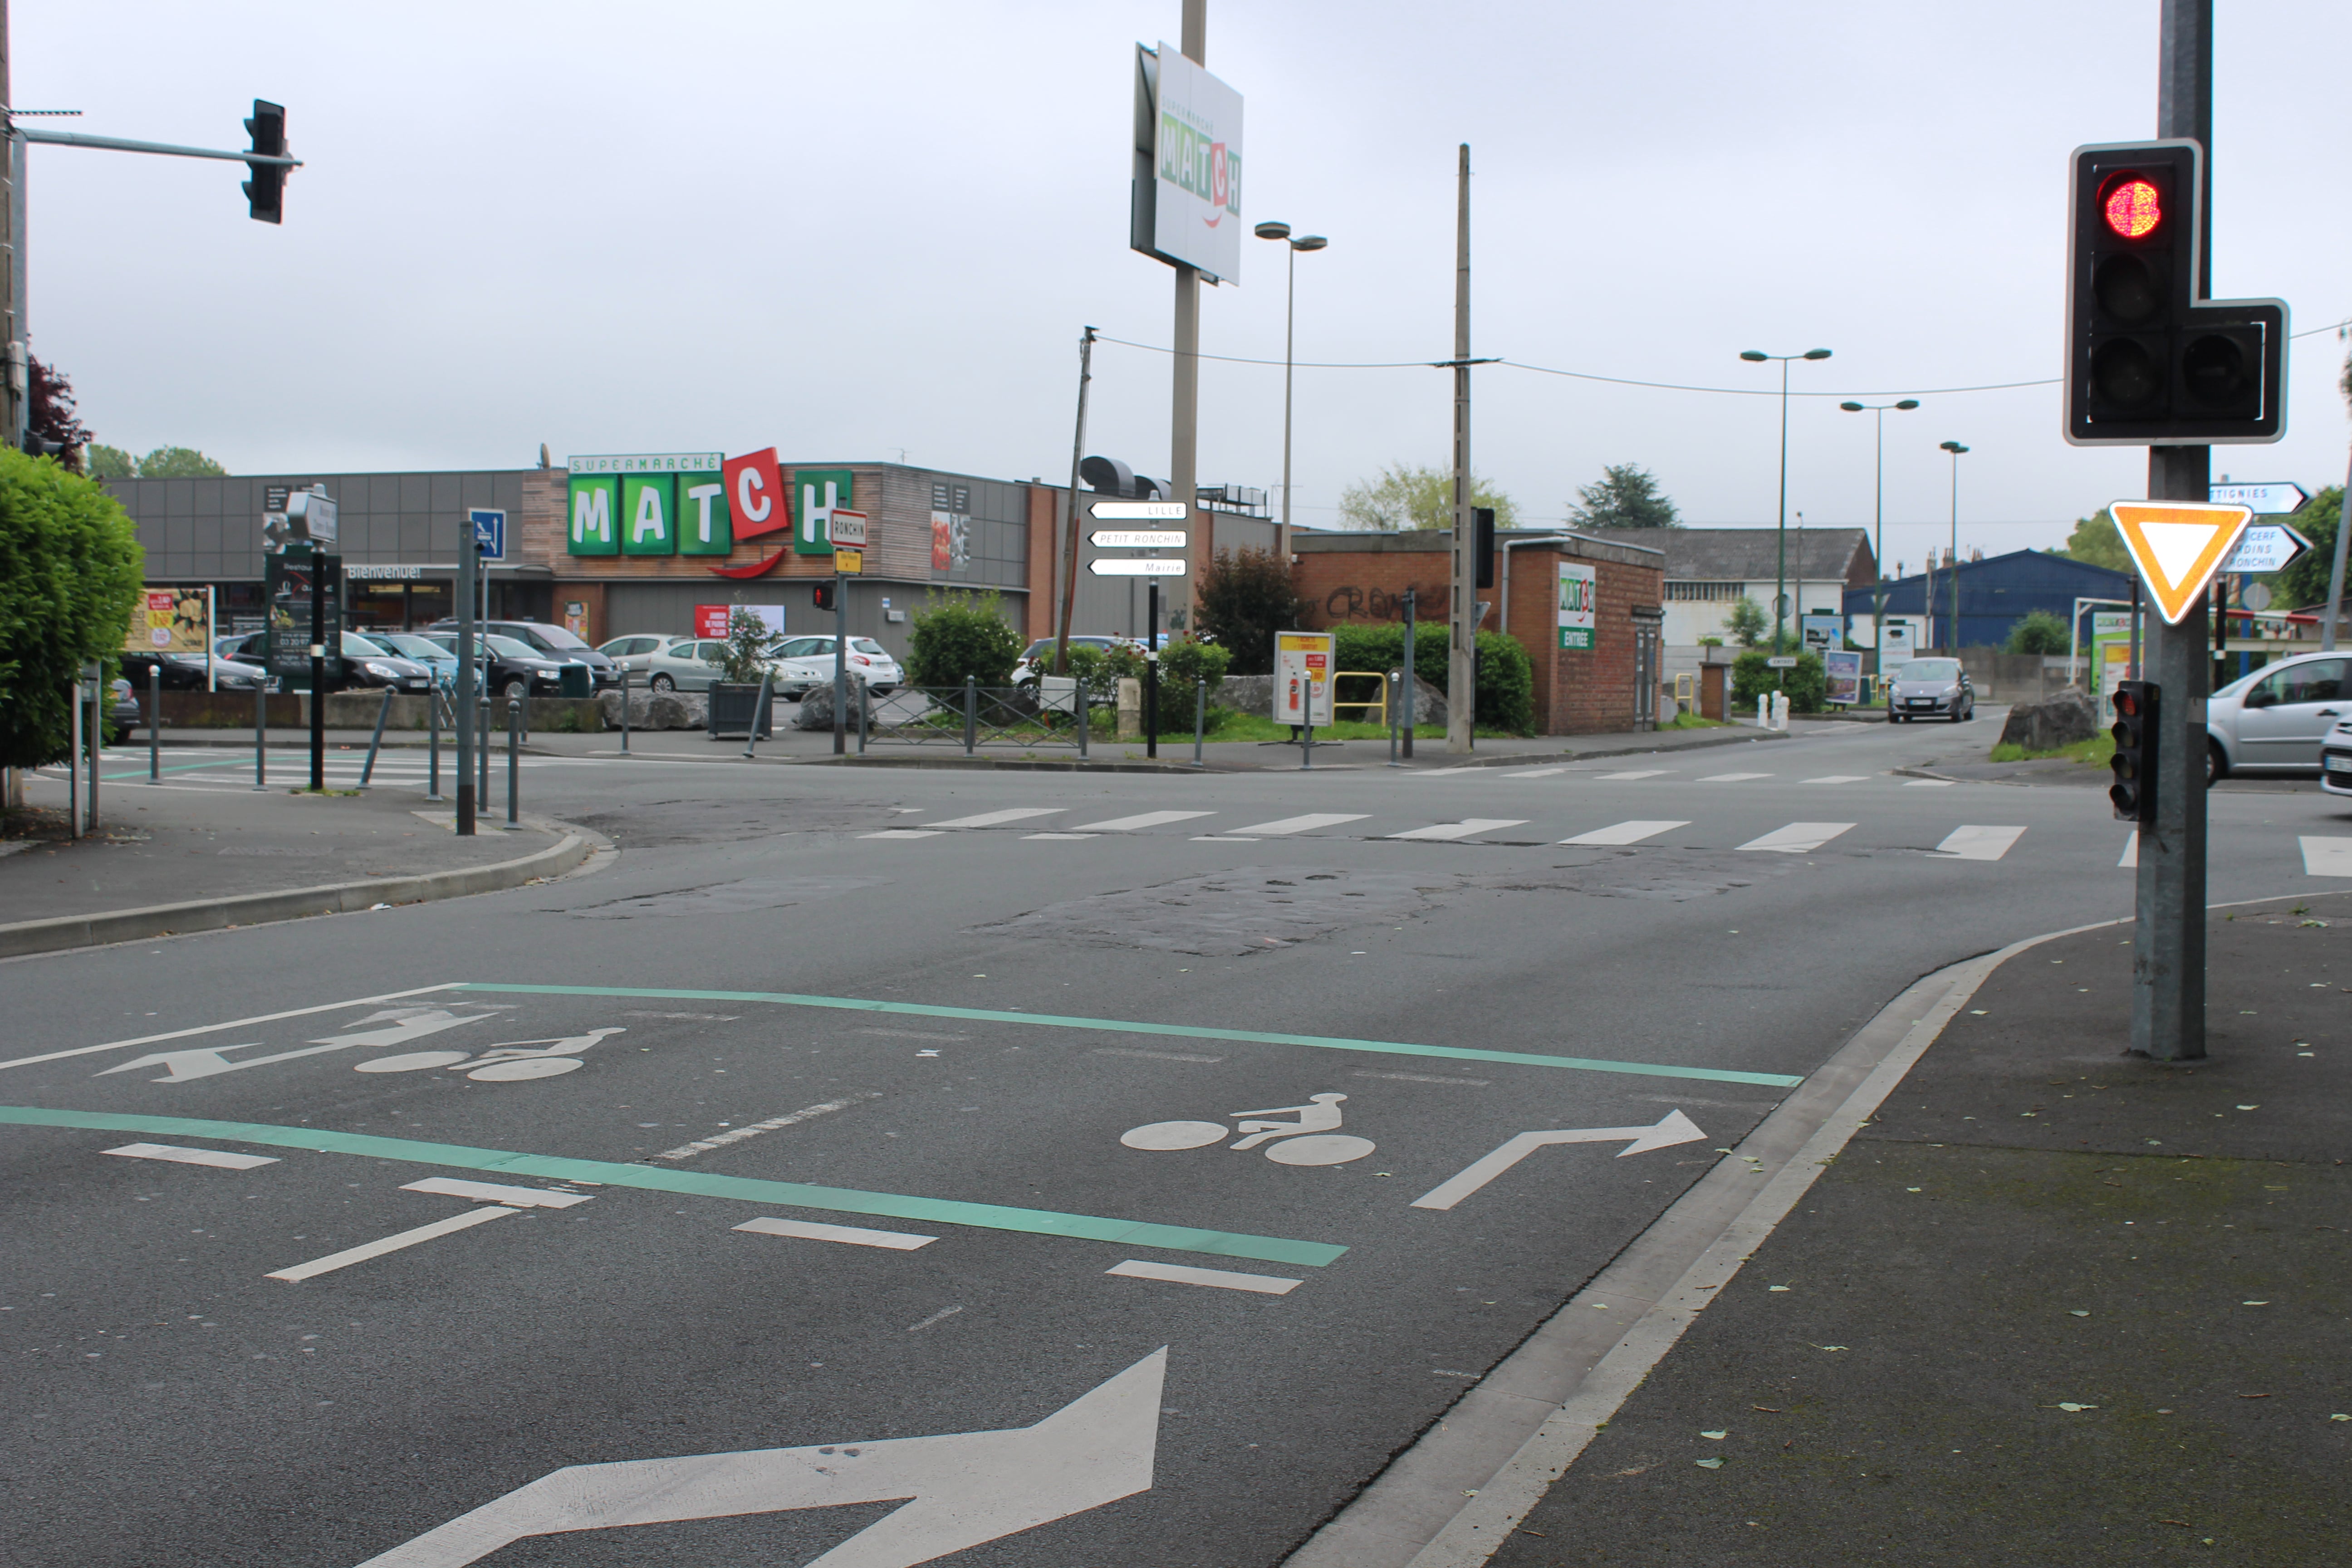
<point x="265" y="193"/>
<point x="2134" y="764"/>
<point x="1483" y="540"/>
<point x="2149" y="359"/>
<point x="824" y="595"/>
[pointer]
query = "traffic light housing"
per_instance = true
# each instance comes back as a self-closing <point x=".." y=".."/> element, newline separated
<point x="1482" y="519"/>
<point x="265" y="193"/>
<point x="2134" y="764"/>
<point x="823" y="596"/>
<point x="2150" y="361"/>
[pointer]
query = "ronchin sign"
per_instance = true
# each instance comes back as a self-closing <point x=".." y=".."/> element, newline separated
<point x="1187" y="198"/>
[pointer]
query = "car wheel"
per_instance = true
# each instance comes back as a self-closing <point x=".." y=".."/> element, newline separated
<point x="2217" y="763"/>
<point x="662" y="683"/>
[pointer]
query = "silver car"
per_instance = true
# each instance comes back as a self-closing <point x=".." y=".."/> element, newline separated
<point x="2276" y="720"/>
<point x="1930" y="688"/>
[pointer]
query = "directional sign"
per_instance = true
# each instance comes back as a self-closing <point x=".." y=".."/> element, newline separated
<point x="2270" y="499"/>
<point x="1137" y="510"/>
<point x="1138" y="538"/>
<point x="1781" y="661"/>
<point x="489" y="532"/>
<point x="960" y="1488"/>
<point x="2267" y="547"/>
<point x="2177" y="545"/>
<point x="1141" y="566"/>
<point x="1675" y="1128"/>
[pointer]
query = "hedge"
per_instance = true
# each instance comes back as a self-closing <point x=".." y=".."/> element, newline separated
<point x="70" y="577"/>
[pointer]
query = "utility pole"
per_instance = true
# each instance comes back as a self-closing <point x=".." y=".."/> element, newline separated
<point x="1461" y="667"/>
<point x="1185" y="433"/>
<point x="18" y="397"/>
<point x="1070" y="531"/>
<point x="2168" y="903"/>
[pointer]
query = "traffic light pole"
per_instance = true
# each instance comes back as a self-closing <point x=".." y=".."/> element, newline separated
<point x="318" y="669"/>
<point x="1461" y="672"/>
<point x="467" y="695"/>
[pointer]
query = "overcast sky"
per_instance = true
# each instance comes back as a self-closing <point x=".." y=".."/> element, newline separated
<point x="858" y="231"/>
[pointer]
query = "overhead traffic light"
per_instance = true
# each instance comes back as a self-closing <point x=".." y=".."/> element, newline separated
<point x="2150" y="361"/>
<point x="822" y="595"/>
<point x="2134" y="764"/>
<point x="265" y="193"/>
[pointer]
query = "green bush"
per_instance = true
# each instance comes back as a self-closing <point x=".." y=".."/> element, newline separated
<point x="1246" y="596"/>
<point x="958" y="635"/>
<point x="1099" y="670"/>
<point x="1187" y="660"/>
<point x="69" y="578"/>
<point x="2041" y="632"/>
<point x="1752" y="676"/>
<point x="1507" y="679"/>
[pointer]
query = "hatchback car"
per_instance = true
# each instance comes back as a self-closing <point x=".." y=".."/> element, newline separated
<point x="806" y="662"/>
<point x="2277" y="718"/>
<point x="514" y="668"/>
<point x="1930" y="689"/>
<point x="2336" y="759"/>
<point x="186" y="672"/>
<point x="549" y="642"/>
<point x="424" y="650"/>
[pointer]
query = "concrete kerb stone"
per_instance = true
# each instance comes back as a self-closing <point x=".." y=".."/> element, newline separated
<point x="1640" y="748"/>
<point x="64" y="933"/>
<point x="1451" y="1499"/>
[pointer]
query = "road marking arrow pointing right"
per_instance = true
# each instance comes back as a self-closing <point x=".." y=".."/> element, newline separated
<point x="962" y="1487"/>
<point x="1673" y="1128"/>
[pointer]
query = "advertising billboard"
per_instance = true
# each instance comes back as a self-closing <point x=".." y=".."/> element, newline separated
<point x="1188" y="165"/>
<point x="1579" y="604"/>
<point x="172" y="620"/>
<point x="1302" y="677"/>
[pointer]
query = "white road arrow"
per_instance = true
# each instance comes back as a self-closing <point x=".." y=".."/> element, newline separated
<point x="206" y="1061"/>
<point x="965" y="1488"/>
<point x="1676" y="1128"/>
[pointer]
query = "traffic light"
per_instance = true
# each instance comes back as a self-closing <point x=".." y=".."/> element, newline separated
<point x="2134" y="764"/>
<point x="265" y="193"/>
<point x="824" y="595"/>
<point x="1482" y="520"/>
<point x="2150" y="361"/>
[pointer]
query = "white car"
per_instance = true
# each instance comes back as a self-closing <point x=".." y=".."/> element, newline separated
<point x="1038" y="659"/>
<point x="802" y="662"/>
<point x="2276" y="719"/>
<point x="2336" y="759"/>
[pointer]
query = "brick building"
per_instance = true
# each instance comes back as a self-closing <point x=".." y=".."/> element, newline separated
<point x="1610" y="685"/>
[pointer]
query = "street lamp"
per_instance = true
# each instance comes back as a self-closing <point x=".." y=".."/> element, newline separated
<point x="1952" y="562"/>
<point x="1781" y="592"/>
<point x="1878" y="543"/>
<point x="1289" y="324"/>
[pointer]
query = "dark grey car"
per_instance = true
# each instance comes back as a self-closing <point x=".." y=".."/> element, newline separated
<point x="1930" y="689"/>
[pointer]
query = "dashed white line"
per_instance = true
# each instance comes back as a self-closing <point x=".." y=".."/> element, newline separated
<point x="808" y="1112"/>
<point x="1032" y="837"/>
<point x="219" y="1158"/>
<point x="1732" y="778"/>
<point x="1624" y="833"/>
<point x="854" y="1235"/>
<point x="1641" y="773"/>
<point x="1306" y="823"/>
<point x="1141" y="819"/>
<point x="993" y="818"/>
<point x="423" y="1233"/>
<point x="1829" y="778"/>
<point x="1217" y="1278"/>
<point x="2328" y="856"/>
<point x="903" y="833"/>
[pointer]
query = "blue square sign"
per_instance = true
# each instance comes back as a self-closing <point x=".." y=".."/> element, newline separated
<point x="489" y="532"/>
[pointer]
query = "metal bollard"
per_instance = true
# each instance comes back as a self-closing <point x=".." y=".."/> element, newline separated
<point x="375" y="741"/>
<point x="759" y="712"/>
<point x="482" y="754"/>
<point x="73" y="768"/>
<point x="514" y="739"/>
<point x="1393" y="719"/>
<point x="433" y="744"/>
<point x="971" y="713"/>
<point x="1078" y="689"/>
<point x="865" y="717"/>
<point x="96" y="735"/>
<point x="155" y="723"/>
<point x="261" y="735"/>
<point x="625" y="707"/>
<point x="1199" y="721"/>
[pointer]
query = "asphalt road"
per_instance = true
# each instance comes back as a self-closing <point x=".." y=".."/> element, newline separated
<point x="1095" y="1054"/>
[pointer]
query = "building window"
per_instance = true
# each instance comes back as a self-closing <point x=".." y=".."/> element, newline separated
<point x="1705" y="592"/>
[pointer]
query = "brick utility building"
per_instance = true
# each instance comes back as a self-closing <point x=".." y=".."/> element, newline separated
<point x="1586" y="609"/>
<point x="1708" y="570"/>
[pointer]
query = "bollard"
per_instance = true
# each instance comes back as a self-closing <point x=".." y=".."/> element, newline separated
<point x="261" y="735"/>
<point x="759" y="712"/>
<point x="514" y="737"/>
<point x="73" y="768"/>
<point x="865" y="716"/>
<point x="156" y="722"/>
<point x="482" y="754"/>
<point x="96" y="735"/>
<point x="1393" y="719"/>
<point x="1200" y="720"/>
<point x="625" y="707"/>
<point x="1079" y="688"/>
<point x="375" y="741"/>
<point x="433" y="744"/>
<point x="970" y="712"/>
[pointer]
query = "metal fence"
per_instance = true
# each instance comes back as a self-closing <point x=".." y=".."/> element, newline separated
<point x="1041" y="716"/>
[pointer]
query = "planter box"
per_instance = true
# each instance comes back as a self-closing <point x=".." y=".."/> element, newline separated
<point x="737" y="712"/>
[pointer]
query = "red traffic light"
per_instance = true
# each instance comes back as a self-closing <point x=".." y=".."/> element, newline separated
<point x="2131" y="207"/>
<point x="2127" y="704"/>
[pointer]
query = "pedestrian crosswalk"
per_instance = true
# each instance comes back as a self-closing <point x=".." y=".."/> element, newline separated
<point x="288" y="768"/>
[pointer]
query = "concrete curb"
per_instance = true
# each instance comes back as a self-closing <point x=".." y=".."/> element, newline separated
<point x="62" y="935"/>
<point x="1520" y="759"/>
<point x="1026" y="764"/>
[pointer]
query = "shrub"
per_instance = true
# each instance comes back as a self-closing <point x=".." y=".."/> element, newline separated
<point x="1506" y="676"/>
<point x="2041" y="632"/>
<point x="743" y="656"/>
<point x="1746" y="622"/>
<point x="957" y="636"/>
<point x="1186" y="660"/>
<point x="1245" y="597"/>
<point x="1752" y="676"/>
<point x="69" y="577"/>
<point x="1099" y="670"/>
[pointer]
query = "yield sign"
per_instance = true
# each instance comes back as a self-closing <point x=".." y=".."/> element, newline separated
<point x="2176" y="545"/>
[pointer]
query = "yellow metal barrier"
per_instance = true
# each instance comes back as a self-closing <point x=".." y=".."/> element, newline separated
<point x="1687" y="690"/>
<point x="1383" y="705"/>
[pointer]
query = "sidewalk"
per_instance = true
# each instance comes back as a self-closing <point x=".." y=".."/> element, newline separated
<point x="172" y="860"/>
<point x="2053" y="1306"/>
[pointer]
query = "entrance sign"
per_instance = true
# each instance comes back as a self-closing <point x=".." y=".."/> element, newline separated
<point x="1579" y="604"/>
<point x="2266" y="547"/>
<point x="2267" y="499"/>
<point x="2177" y="545"/>
<point x="1141" y="566"/>
<point x="1302" y="676"/>
<point x="847" y="530"/>
<point x="1137" y="539"/>
<point x="1137" y="511"/>
<point x="754" y="488"/>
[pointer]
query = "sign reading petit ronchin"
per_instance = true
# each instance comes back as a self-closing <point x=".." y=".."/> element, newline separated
<point x="697" y="503"/>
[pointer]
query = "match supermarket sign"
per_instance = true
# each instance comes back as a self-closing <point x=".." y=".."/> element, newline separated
<point x="697" y="503"/>
<point x="1188" y="148"/>
<point x="1579" y="604"/>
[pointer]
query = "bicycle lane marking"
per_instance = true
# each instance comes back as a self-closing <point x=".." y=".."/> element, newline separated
<point x="1129" y="1026"/>
<point x="233" y="1023"/>
<point x="699" y="1184"/>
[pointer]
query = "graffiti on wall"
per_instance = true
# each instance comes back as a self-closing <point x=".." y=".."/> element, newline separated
<point x="1351" y="603"/>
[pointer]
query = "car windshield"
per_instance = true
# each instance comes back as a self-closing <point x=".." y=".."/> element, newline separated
<point x="556" y="636"/>
<point x="1939" y="672"/>
<point x="415" y="646"/>
<point x="358" y="646"/>
<point x="511" y="647"/>
<point x="868" y="644"/>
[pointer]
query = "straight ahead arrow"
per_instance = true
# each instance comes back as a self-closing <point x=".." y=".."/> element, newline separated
<point x="962" y="1487"/>
<point x="1675" y="1128"/>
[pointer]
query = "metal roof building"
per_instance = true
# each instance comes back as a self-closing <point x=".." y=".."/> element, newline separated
<point x="1995" y="594"/>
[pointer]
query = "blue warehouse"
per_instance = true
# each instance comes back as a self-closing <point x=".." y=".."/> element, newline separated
<point x="1995" y="594"/>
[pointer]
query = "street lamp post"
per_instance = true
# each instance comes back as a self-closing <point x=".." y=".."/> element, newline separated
<point x="1780" y="590"/>
<point x="1952" y="562"/>
<point x="1878" y="536"/>
<point x="1289" y="325"/>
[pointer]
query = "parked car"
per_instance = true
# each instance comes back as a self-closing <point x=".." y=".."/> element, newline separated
<point x="366" y="663"/>
<point x="424" y="650"/>
<point x="122" y="709"/>
<point x="513" y="669"/>
<point x="621" y="650"/>
<point x="806" y="662"/>
<point x="1038" y="659"/>
<point x="677" y="664"/>
<point x="186" y="672"/>
<point x="1930" y="689"/>
<point x="2276" y="719"/>
<point x="548" y="642"/>
<point x="2336" y="759"/>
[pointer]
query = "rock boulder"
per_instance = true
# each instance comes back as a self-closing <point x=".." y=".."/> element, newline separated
<point x="2067" y="717"/>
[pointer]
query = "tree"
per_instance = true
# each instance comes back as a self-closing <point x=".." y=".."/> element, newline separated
<point x="1627" y="496"/>
<point x="51" y="416"/>
<point x="1246" y="596"/>
<point x="2095" y="541"/>
<point x="112" y="462"/>
<point x="960" y="634"/>
<point x="69" y="577"/>
<point x="1412" y="495"/>
<point x="179" y="463"/>
<point x="2306" y="581"/>
<point x="2040" y="631"/>
<point x="1746" y="623"/>
<point x="743" y="656"/>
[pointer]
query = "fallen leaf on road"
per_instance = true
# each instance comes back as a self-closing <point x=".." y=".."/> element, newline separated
<point x="1776" y="1287"/>
<point x="2253" y="1303"/>
<point x="2077" y="1312"/>
<point x="2250" y="1108"/>
<point x="2254" y="1396"/>
<point x="1826" y="1347"/>
<point x="1775" y="1410"/>
<point x="2070" y="1405"/>
<point x="1710" y="1464"/>
<point x="1717" y="1437"/>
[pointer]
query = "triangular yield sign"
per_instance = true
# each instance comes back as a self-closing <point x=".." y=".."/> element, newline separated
<point x="2177" y="544"/>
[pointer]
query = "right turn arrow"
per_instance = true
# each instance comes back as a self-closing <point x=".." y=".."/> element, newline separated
<point x="1675" y="1128"/>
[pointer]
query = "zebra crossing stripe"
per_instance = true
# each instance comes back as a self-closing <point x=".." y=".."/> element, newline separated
<point x="1799" y="837"/>
<point x="1307" y="823"/>
<point x="1971" y="842"/>
<point x="2328" y="856"/>
<point x="1624" y="833"/>
<point x="1465" y="829"/>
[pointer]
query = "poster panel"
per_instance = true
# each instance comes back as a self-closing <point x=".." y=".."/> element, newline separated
<point x="1302" y="677"/>
<point x="1579" y="604"/>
